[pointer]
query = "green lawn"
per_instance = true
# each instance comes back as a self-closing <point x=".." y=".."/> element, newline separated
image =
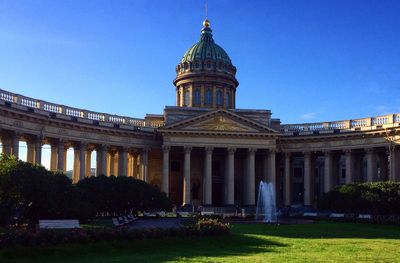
<point x="319" y="242"/>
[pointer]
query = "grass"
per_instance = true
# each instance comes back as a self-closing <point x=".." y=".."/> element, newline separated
<point x="319" y="242"/>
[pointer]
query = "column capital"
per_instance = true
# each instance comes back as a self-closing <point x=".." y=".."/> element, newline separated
<point x="307" y="153"/>
<point x="145" y="150"/>
<point x="166" y="148"/>
<point x="102" y="147"/>
<point x="16" y="134"/>
<point x="82" y="146"/>
<point x="231" y="150"/>
<point x="251" y="150"/>
<point x="348" y="151"/>
<point x="271" y="151"/>
<point x="369" y="150"/>
<point x="327" y="152"/>
<point x="394" y="148"/>
<point x="208" y="149"/>
<point x="187" y="149"/>
<point x="124" y="149"/>
<point x="61" y="143"/>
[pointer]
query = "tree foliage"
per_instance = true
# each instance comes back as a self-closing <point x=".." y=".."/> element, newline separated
<point x="121" y="195"/>
<point x="381" y="198"/>
<point x="29" y="192"/>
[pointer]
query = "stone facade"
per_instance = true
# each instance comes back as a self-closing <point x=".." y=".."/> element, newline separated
<point x="204" y="151"/>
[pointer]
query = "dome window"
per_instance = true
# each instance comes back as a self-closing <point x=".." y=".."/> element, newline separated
<point x="227" y="99"/>
<point x="196" y="97"/>
<point x="208" y="97"/>
<point x="219" y="98"/>
<point x="186" y="98"/>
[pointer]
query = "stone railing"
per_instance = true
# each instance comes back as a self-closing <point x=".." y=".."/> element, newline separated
<point x="364" y="124"/>
<point x="68" y="113"/>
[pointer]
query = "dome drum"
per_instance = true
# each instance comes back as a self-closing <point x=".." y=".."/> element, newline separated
<point x="205" y="76"/>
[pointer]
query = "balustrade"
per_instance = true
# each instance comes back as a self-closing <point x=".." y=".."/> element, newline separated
<point x="74" y="112"/>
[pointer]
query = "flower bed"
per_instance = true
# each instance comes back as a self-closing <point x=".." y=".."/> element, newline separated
<point x="200" y="227"/>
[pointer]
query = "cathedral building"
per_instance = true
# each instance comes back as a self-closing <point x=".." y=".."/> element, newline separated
<point x="205" y="151"/>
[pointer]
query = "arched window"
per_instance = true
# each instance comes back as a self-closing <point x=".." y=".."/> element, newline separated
<point x="208" y="98"/>
<point x="186" y="98"/>
<point x="227" y="99"/>
<point x="196" y="97"/>
<point x="219" y="98"/>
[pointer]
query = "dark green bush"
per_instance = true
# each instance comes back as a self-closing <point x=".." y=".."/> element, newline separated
<point x="122" y="195"/>
<point x="203" y="227"/>
<point x="29" y="192"/>
<point x="378" y="198"/>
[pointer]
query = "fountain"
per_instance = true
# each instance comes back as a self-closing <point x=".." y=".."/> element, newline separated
<point x="266" y="205"/>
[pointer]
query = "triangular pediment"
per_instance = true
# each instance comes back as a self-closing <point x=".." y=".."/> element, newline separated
<point x="220" y="120"/>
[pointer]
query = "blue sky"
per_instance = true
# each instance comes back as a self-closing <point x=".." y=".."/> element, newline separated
<point x="307" y="61"/>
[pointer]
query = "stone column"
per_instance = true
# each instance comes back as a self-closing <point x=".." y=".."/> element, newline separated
<point x="101" y="159"/>
<point x="288" y="179"/>
<point x="61" y="156"/>
<point x="207" y="186"/>
<point x="116" y="163"/>
<point x="372" y="171"/>
<point x="77" y="164"/>
<point x="309" y="169"/>
<point x="358" y="167"/>
<point x="38" y="150"/>
<point x="229" y="178"/>
<point x="349" y="166"/>
<point x="122" y="162"/>
<point x="265" y="166"/>
<point x="395" y="163"/>
<point x="30" y="158"/>
<point x="272" y="168"/>
<point x="82" y="161"/>
<point x="165" y="174"/>
<point x="383" y="166"/>
<point x="143" y="164"/>
<point x="134" y="165"/>
<point x="53" y="157"/>
<point x="6" y="143"/>
<point x="88" y="163"/>
<point x="186" y="176"/>
<point x="15" y="144"/>
<point x="249" y="179"/>
<point x="129" y="165"/>
<point x="328" y="171"/>
<point x="111" y="164"/>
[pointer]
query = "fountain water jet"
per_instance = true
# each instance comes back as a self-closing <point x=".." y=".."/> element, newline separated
<point x="266" y="204"/>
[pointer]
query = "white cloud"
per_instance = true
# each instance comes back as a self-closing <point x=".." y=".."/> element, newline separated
<point x="308" y="116"/>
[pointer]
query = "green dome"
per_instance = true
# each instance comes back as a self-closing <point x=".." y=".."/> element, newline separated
<point x="206" y="49"/>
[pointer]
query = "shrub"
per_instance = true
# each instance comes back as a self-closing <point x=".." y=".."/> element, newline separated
<point x="379" y="198"/>
<point x="29" y="192"/>
<point x="121" y="195"/>
<point x="203" y="227"/>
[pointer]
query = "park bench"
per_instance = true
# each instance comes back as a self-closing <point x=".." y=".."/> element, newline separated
<point x="59" y="224"/>
<point x="336" y="215"/>
<point x="183" y="214"/>
<point x="207" y="213"/>
<point x="310" y="214"/>
<point x="123" y="220"/>
<point x="364" y="216"/>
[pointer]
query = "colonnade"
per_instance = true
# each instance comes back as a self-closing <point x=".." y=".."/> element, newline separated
<point x="381" y="164"/>
<point x="110" y="159"/>
<point x="359" y="165"/>
<point x="249" y="190"/>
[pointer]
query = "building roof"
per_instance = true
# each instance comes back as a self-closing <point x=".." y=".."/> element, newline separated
<point x="206" y="49"/>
